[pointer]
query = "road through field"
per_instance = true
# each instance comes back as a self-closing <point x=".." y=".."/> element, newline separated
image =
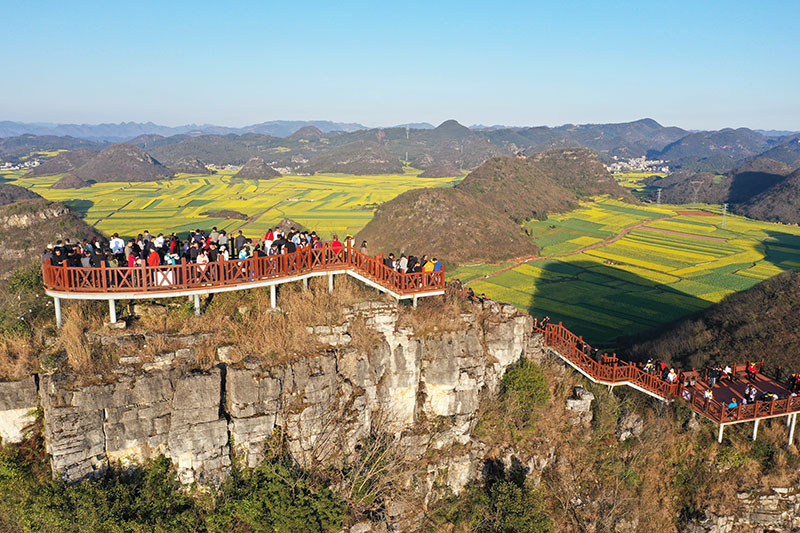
<point x="531" y="258"/>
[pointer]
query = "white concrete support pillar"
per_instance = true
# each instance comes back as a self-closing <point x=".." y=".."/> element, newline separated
<point x="57" y="305"/>
<point x="755" y="428"/>
<point x="305" y="283"/>
<point x="719" y="435"/>
<point x="330" y="281"/>
<point x="196" y="305"/>
<point x="415" y="300"/>
<point x="791" y="428"/>
<point x="112" y="311"/>
<point x="273" y="296"/>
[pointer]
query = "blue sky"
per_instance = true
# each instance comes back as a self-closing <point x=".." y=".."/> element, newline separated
<point x="693" y="64"/>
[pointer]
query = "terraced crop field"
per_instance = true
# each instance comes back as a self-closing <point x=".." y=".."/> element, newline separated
<point x="675" y="261"/>
<point x="331" y="203"/>
<point x="635" y="181"/>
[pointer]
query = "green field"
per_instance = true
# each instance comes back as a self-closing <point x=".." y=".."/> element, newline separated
<point x="328" y="203"/>
<point x="653" y="275"/>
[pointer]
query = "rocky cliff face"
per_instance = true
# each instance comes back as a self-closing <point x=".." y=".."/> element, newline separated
<point x="778" y="510"/>
<point x="27" y="219"/>
<point x="323" y="404"/>
<point x="18" y="403"/>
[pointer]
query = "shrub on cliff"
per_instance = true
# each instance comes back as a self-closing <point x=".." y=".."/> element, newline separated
<point x="505" y="502"/>
<point x="524" y="391"/>
<point x="276" y="496"/>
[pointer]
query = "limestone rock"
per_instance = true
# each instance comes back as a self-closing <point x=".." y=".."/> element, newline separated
<point x="135" y="418"/>
<point x="692" y="424"/>
<point x="629" y="425"/>
<point x="324" y="404"/>
<point x="148" y="309"/>
<point x="18" y="400"/>
<point x="581" y="403"/>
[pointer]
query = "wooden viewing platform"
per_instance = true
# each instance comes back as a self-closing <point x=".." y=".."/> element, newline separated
<point x="689" y="387"/>
<point x="195" y="280"/>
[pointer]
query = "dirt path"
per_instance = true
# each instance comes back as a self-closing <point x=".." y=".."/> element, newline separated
<point x="532" y="258"/>
<point x="257" y="216"/>
<point x="114" y="212"/>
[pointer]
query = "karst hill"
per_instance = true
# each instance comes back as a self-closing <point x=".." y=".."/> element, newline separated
<point x="480" y="219"/>
<point x="122" y="162"/>
<point x="257" y="169"/>
<point x="363" y="158"/>
<point x="190" y="165"/>
<point x="70" y="181"/>
<point x="63" y="162"/>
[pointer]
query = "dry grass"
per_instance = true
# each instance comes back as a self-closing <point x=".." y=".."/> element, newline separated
<point x="19" y="356"/>
<point x="79" y="319"/>
<point x="246" y="321"/>
<point x="155" y="345"/>
<point x="435" y="315"/>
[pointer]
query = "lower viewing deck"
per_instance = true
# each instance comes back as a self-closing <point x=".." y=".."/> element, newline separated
<point x="689" y="386"/>
<point x="195" y="280"/>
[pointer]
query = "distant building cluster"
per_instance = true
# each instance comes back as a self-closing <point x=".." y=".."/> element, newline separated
<point x="223" y="167"/>
<point x="637" y="164"/>
<point x="7" y="165"/>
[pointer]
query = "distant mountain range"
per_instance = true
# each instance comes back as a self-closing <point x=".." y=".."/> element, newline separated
<point x="125" y="131"/>
<point x="320" y="146"/>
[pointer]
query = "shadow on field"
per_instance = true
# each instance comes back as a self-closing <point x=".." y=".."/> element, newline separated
<point x="605" y="304"/>
<point x="81" y="206"/>
<point x="781" y="247"/>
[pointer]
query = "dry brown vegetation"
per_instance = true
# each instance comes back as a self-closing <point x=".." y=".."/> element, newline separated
<point x="19" y="355"/>
<point x="652" y="482"/>
<point x="81" y="358"/>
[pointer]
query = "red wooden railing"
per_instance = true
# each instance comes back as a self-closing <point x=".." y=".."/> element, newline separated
<point x="235" y="272"/>
<point x="611" y="370"/>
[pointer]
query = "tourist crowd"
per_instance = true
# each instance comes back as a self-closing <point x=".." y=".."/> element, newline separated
<point x="201" y="247"/>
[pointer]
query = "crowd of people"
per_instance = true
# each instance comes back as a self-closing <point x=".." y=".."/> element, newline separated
<point x="409" y="264"/>
<point x="199" y="247"/>
<point x="205" y="248"/>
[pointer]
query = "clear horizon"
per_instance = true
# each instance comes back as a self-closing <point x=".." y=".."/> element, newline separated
<point x="700" y="67"/>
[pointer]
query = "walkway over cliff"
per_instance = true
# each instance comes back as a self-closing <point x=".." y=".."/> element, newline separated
<point x="194" y="280"/>
<point x="689" y="387"/>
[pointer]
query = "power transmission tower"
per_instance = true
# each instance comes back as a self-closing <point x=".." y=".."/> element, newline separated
<point x="695" y="189"/>
<point x="724" y="212"/>
<point x="658" y="197"/>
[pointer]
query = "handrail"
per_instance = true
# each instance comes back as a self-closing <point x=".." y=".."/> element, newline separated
<point x="613" y="371"/>
<point x="235" y="272"/>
